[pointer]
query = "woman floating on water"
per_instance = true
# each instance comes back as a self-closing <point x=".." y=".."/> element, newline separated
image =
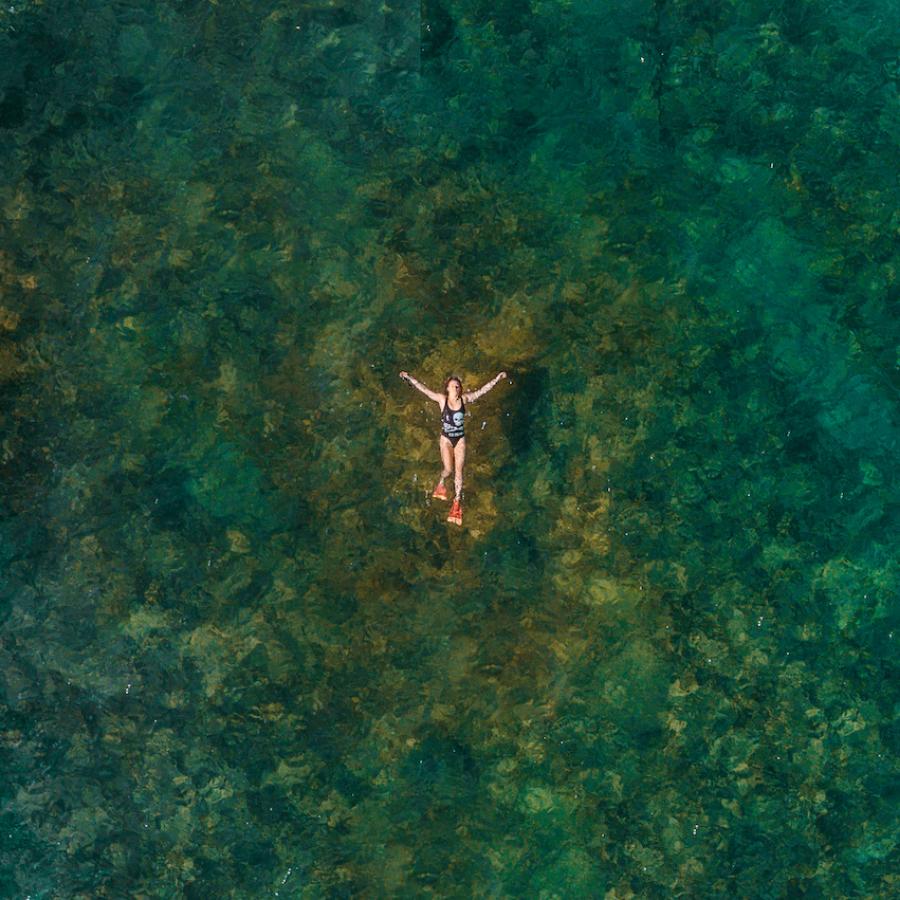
<point x="453" y="440"/>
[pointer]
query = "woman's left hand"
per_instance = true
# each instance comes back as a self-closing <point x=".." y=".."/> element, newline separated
<point x="502" y="375"/>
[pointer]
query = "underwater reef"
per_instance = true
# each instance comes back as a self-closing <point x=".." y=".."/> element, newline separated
<point x="242" y="653"/>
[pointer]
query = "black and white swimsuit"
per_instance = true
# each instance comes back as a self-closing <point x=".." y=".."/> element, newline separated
<point x="452" y="422"/>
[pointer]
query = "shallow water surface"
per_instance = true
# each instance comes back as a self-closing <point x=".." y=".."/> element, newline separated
<point x="244" y="654"/>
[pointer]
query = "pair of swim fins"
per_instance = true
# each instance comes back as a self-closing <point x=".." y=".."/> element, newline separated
<point x="440" y="493"/>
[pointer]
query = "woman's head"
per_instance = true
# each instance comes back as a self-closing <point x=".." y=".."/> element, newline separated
<point x="453" y="387"/>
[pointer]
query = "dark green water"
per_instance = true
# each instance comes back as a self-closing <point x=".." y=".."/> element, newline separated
<point x="243" y="654"/>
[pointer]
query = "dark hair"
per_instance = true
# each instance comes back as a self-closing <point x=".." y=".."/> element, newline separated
<point x="455" y="378"/>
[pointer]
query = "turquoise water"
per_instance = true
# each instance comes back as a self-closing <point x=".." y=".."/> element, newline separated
<point x="243" y="653"/>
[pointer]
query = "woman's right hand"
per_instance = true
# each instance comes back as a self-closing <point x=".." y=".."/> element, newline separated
<point x="404" y="376"/>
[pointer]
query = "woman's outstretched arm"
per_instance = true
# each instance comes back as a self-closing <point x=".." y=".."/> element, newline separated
<point x="432" y="395"/>
<point x="469" y="396"/>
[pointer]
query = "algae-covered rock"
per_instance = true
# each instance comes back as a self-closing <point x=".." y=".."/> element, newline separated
<point x="228" y="484"/>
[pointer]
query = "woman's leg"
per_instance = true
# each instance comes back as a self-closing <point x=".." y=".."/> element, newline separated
<point x="459" y="458"/>
<point x="446" y="458"/>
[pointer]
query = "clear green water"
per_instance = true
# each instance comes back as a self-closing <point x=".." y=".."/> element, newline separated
<point x="243" y="654"/>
